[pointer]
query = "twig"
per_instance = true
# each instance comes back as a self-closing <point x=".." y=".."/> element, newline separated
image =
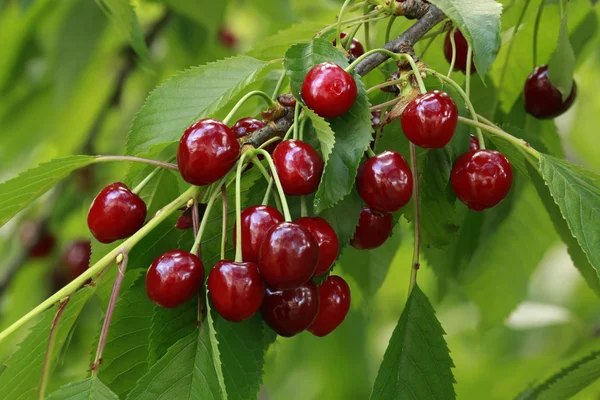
<point x="50" y="346"/>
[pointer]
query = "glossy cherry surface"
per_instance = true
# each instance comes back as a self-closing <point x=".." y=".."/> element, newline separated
<point x="481" y="179"/>
<point x="385" y="182"/>
<point x="462" y="47"/>
<point x="236" y="289"/>
<point x="116" y="213"/>
<point x="40" y="246"/>
<point x="328" y="90"/>
<point x="356" y="47"/>
<point x="289" y="312"/>
<point x="299" y="167"/>
<point x="174" y="278"/>
<point x="373" y="229"/>
<point x="207" y="150"/>
<point x="334" y="304"/>
<point x="245" y="126"/>
<point x="76" y="257"/>
<point x="473" y="143"/>
<point x="288" y="256"/>
<point x="329" y="245"/>
<point x="256" y="222"/>
<point x="429" y="120"/>
<point x="542" y="99"/>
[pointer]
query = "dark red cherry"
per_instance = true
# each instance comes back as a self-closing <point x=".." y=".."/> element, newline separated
<point x="116" y="213"/>
<point x="288" y="256"/>
<point x="227" y="38"/>
<point x="299" y="167"/>
<point x="542" y="99"/>
<point x="289" y="312"/>
<point x="334" y="304"/>
<point x="328" y="90"/>
<point x="236" y="289"/>
<point x="385" y="182"/>
<point x="40" y="246"/>
<point x="186" y="219"/>
<point x="429" y="120"/>
<point x="481" y="179"/>
<point x="460" y="63"/>
<point x="174" y="278"/>
<point x="256" y="222"/>
<point x="373" y="229"/>
<point x="329" y="245"/>
<point x="356" y="48"/>
<point x="473" y="143"/>
<point x="207" y="151"/>
<point x="76" y="257"/>
<point x="245" y="126"/>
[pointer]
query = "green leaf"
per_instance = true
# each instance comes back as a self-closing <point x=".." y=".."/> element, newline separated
<point x="190" y="95"/>
<point x="168" y="326"/>
<point x="417" y="363"/>
<point x="87" y="389"/>
<point x="214" y="343"/>
<point x="562" y="64"/>
<point x="479" y="22"/>
<point x="19" y="192"/>
<point x="343" y="217"/>
<point x="567" y="382"/>
<point x="323" y="133"/>
<point x="208" y="14"/>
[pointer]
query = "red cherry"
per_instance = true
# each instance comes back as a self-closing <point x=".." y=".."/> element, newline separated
<point x="289" y="312"/>
<point x="329" y="245"/>
<point x="356" y="48"/>
<point x="256" y="222"/>
<point x="385" y="182"/>
<point x="373" y="229"/>
<point x="288" y="256"/>
<point x="207" y="151"/>
<point x="245" y="126"/>
<point x="328" y="90"/>
<point x="227" y="37"/>
<point x="542" y="99"/>
<point x="174" y="278"/>
<point x="299" y="167"/>
<point x="116" y="213"/>
<point x="460" y="63"/>
<point x="481" y="179"/>
<point x="186" y="219"/>
<point x="38" y="247"/>
<point x="473" y="143"/>
<point x="334" y="304"/>
<point x="76" y="257"/>
<point x="236" y="289"/>
<point x="429" y="120"/>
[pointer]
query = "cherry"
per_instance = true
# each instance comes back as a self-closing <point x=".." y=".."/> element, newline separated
<point x="481" y="179"/>
<point x="328" y="90"/>
<point x="40" y="246"/>
<point x="329" y="245"/>
<point x="460" y="62"/>
<point x="245" y="126"/>
<point x="174" y="278"/>
<point x="256" y="222"/>
<point x="429" y="120"/>
<point x="186" y="219"/>
<point x="473" y="143"/>
<point x="207" y="150"/>
<point x="227" y="37"/>
<point x="116" y="213"/>
<point x="542" y="99"/>
<point x="288" y="256"/>
<point x="375" y="119"/>
<point x="289" y="312"/>
<point x="299" y="167"/>
<point x="385" y="182"/>
<point x="334" y="304"/>
<point x="236" y="289"/>
<point x="356" y="48"/>
<point x="76" y="257"/>
<point x="373" y="229"/>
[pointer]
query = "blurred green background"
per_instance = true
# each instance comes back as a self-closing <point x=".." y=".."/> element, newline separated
<point x="68" y="74"/>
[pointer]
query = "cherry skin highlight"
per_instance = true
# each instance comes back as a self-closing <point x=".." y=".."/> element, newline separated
<point x="460" y="63"/>
<point x="207" y="150"/>
<point x="542" y="99"/>
<point x="385" y="182"/>
<point x="289" y="312"/>
<point x="373" y="229"/>
<point x="429" y="120"/>
<point x="116" y="213"/>
<point x="174" y="278"/>
<point x="329" y="245"/>
<point x="76" y="258"/>
<point x="328" y="90"/>
<point x="334" y="304"/>
<point x="288" y="256"/>
<point x="236" y="289"/>
<point x="473" y="143"/>
<point x="245" y="126"/>
<point x="299" y="167"/>
<point x="481" y="179"/>
<point x="256" y="222"/>
<point x="356" y="47"/>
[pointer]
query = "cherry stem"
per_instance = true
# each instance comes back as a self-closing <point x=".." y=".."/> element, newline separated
<point x="367" y="28"/>
<point x="468" y="72"/>
<point x="302" y="125"/>
<point x="296" y="119"/>
<point x="246" y="97"/>
<point x="347" y="41"/>
<point x="386" y="84"/>
<point x="388" y="29"/>
<point x="270" y="186"/>
<point x="284" y="204"/>
<point x="352" y="21"/>
<point x="225" y="216"/>
<point x="391" y="54"/>
<point x="146" y="180"/>
<point x="269" y="179"/>
<point x="417" y="221"/>
<point x="453" y="60"/>
<point x="139" y="160"/>
<point x="536" y="29"/>
<point x="278" y="85"/>
<point x="50" y="346"/>
<point x="122" y="261"/>
<point x="339" y="25"/>
<point x="303" y="207"/>
<point x="195" y="217"/>
<point x="385" y="104"/>
<point x="238" y="206"/>
<point x="370" y="152"/>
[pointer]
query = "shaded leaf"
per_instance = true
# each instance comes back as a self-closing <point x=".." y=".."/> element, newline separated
<point x="343" y="217"/>
<point x="87" y="389"/>
<point x="562" y="64"/>
<point x="274" y="46"/>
